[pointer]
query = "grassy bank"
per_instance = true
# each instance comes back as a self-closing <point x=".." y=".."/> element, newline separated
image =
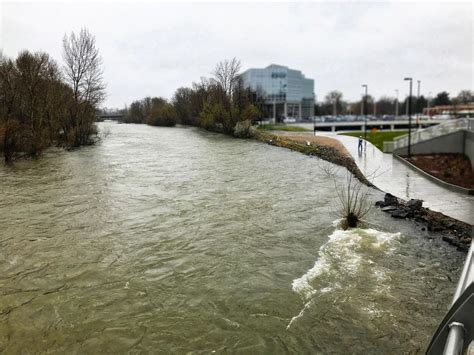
<point x="280" y="127"/>
<point x="378" y="137"/>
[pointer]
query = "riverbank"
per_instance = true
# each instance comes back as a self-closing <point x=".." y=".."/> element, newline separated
<point x="451" y="230"/>
<point x="323" y="147"/>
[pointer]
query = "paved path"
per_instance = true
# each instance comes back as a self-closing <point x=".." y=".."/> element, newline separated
<point x="390" y="175"/>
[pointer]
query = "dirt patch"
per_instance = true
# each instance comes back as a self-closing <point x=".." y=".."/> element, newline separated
<point x="320" y="141"/>
<point x="454" y="169"/>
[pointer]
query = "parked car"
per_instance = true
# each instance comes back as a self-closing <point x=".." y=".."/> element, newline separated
<point x="289" y="120"/>
<point x="442" y="117"/>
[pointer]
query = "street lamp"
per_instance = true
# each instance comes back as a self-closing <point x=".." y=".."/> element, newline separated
<point x="396" y="104"/>
<point x="365" y="110"/>
<point x="409" y="116"/>
<point x="418" y="102"/>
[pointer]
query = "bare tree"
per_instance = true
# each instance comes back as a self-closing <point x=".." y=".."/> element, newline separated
<point x="84" y="73"/>
<point x="31" y="104"/>
<point x="226" y="74"/>
<point x="83" y="67"/>
<point x="466" y="97"/>
<point x="334" y="98"/>
<point x="8" y="101"/>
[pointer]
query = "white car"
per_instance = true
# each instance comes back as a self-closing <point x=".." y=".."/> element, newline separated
<point x="289" y="120"/>
<point x="442" y="117"/>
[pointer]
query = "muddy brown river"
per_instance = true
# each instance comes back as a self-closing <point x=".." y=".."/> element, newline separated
<point x="175" y="240"/>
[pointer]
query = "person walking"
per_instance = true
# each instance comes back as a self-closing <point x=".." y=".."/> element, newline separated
<point x="360" y="145"/>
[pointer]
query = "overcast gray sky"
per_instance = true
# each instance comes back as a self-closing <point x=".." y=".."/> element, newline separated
<point x="151" y="49"/>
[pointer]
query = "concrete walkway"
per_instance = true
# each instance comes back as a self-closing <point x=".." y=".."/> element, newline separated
<point x="390" y="175"/>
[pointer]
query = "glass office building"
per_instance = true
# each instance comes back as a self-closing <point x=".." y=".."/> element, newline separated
<point x="287" y="93"/>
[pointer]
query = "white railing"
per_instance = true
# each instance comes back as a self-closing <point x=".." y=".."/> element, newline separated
<point x="455" y="330"/>
<point x="435" y="131"/>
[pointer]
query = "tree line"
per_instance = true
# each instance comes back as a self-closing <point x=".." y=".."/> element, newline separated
<point x="334" y="104"/>
<point x="220" y="104"/>
<point x="43" y="103"/>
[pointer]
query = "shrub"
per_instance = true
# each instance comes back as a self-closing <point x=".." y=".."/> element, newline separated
<point x="250" y="113"/>
<point x="354" y="202"/>
<point x="243" y="129"/>
<point x="162" y="115"/>
<point x="214" y="116"/>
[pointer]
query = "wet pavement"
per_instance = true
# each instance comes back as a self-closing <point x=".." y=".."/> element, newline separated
<point x="392" y="176"/>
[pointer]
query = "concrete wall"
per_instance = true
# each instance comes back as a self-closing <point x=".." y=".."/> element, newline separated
<point x="458" y="142"/>
<point x="469" y="146"/>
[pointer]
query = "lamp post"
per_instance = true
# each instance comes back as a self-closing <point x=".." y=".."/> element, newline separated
<point x="396" y="104"/>
<point x="409" y="116"/>
<point x="418" y="101"/>
<point x="365" y="111"/>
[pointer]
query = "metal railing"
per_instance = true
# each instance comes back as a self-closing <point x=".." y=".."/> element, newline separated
<point x="455" y="340"/>
<point x="456" y="332"/>
<point x="442" y="129"/>
<point x="467" y="275"/>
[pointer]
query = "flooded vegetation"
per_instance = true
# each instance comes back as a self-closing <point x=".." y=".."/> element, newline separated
<point x="183" y="240"/>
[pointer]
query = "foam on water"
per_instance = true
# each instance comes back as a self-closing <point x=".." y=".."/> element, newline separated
<point x="343" y="257"/>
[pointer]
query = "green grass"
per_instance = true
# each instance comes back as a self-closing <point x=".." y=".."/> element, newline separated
<point x="281" y="127"/>
<point x="378" y="137"/>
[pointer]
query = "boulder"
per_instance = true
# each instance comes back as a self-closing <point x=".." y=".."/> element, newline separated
<point x="388" y="208"/>
<point x="447" y="238"/>
<point x="389" y="199"/>
<point x="399" y="213"/>
<point x="415" y="204"/>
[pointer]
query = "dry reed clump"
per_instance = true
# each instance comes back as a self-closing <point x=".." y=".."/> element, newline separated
<point x="354" y="202"/>
<point x="352" y="197"/>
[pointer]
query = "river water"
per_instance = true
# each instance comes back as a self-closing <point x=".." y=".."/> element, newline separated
<point x="177" y="240"/>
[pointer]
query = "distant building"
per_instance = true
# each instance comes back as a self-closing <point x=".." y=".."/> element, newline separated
<point x="287" y="93"/>
<point x="463" y="110"/>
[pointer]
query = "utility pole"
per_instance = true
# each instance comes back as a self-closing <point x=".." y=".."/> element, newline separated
<point x="418" y="101"/>
<point x="365" y="110"/>
<point x="409" y="116"/>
